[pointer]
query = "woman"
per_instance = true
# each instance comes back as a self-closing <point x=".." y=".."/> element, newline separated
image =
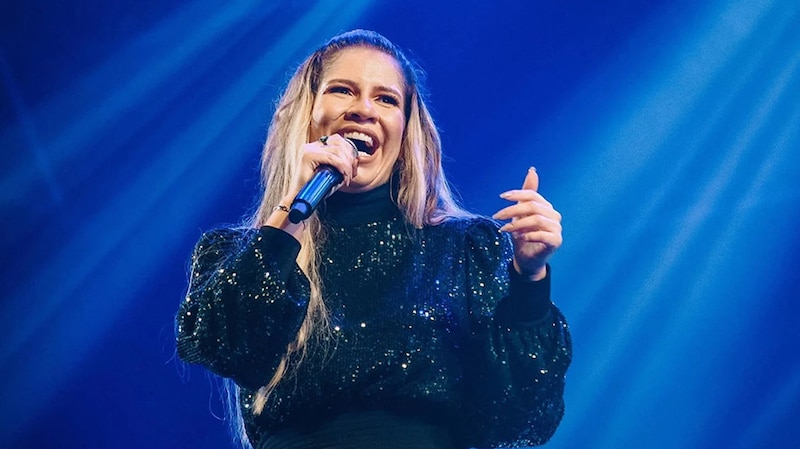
<point x="390" y="318"/>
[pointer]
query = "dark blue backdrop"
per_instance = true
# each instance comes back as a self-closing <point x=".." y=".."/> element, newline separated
<point x="667" y="133"/>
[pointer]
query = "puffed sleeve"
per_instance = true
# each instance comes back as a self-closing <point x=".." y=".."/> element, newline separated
<point x="246" y="301"/>
<point x="519" y="348"/>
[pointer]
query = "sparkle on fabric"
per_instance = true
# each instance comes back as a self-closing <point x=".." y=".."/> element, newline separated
<point x="416" y="328"/>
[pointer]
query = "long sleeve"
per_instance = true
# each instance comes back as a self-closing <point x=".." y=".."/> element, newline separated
<point x="246" y="301"/>
<point x="519" y="348"/>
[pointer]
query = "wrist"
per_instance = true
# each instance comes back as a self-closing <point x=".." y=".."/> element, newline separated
<point x="279" y="218"/>
<point x="530" y="275"/>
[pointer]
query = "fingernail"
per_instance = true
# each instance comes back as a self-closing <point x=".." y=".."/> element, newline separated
<point x="505" y="195"/>
<point x="532" y="168"/>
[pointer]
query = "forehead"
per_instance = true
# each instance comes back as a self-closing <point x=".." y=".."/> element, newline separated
<point x="365" y="65"/>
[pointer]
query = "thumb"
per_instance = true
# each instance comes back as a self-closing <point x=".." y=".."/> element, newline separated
<point x="531" y="180"/>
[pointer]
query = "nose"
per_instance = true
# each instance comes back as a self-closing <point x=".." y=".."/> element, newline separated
<point x="362" y="109"/>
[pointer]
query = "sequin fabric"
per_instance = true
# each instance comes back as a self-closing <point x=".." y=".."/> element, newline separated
<point x="429" y="323"/>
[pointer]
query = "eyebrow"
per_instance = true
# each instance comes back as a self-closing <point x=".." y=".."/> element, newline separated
<point x="353" y="84"/>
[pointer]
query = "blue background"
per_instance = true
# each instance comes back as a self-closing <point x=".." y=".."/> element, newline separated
<point x="666" y="132"/>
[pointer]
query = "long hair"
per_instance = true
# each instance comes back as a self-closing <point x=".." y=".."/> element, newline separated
<point x="424" y="196"/>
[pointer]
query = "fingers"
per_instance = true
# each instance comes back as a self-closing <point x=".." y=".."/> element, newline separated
<point x="336" y="151"/>
<point x="548" y="240"/>
<point x="536" y="228"/>
<point x="523" y="195"/>
<point x="528" y="201"/>
<point x="348" y="153"/>
<point x="532" y="217"/>
<point x="531" y="180"/>
<point x="524" y="208"/>
<point x="527" y="193"/>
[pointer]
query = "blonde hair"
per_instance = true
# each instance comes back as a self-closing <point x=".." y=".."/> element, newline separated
<point x="424" y="196"/>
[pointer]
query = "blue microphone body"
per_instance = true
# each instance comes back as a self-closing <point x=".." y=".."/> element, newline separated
<point x="319" y="187"/>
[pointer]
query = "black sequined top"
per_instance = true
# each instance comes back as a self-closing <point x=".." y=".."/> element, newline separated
<point x="427" y="324"/>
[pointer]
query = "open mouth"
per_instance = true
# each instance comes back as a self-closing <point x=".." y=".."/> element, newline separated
<point x="364" y="143"/>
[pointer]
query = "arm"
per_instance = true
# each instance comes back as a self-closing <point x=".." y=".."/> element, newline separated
<point x="519" y="347"/>
<point x="247" y="297"/>
<point x="246" y="302"/>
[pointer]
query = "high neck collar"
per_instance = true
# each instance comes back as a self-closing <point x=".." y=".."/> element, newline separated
<point x="377" y="204"/>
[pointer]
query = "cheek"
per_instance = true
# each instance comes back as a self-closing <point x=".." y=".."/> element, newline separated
<point x="398" y="132"/>
<point x="398" y="127"/>
<point x="320" y="115"/>
<point x="317" y="117"/>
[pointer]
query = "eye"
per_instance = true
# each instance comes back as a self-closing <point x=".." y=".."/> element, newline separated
<point x="339" y="90"/>
<point x="389" y="99"/>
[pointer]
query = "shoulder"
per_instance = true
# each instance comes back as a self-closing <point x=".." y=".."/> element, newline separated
<point x="473" y="225"/>
<point x="223" y="239"/>
<point x="219" y="235"/>
<point x="477" y="239"/>
<point x="475" y="230"/>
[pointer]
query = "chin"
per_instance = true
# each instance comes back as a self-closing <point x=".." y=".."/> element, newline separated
<point x="356" y="187"/>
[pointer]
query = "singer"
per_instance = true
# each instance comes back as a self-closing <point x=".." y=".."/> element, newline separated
<point x="390" y="317"/>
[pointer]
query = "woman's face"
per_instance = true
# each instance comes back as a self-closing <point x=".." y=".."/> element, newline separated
<point x="361" y="96"/>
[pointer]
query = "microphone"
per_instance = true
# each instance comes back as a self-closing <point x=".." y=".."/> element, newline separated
<point x="316" y="189"/>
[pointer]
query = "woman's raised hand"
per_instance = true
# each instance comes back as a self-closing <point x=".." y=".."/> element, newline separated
<point x="535" y="227"/>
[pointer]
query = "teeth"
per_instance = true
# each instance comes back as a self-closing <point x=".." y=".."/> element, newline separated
<point x="359" y="136"/>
